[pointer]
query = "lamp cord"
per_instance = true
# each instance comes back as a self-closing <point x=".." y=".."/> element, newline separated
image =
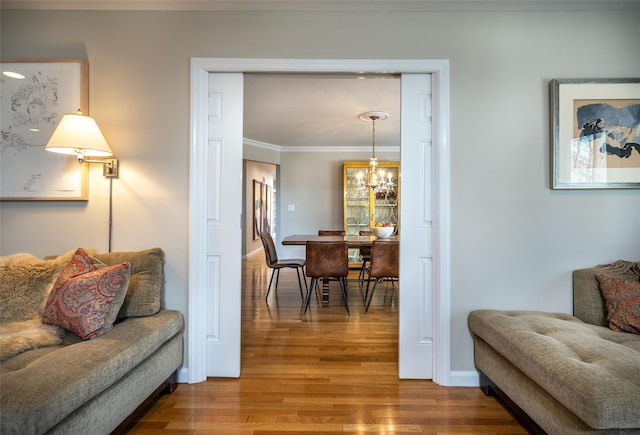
<point x="110" y="210"/>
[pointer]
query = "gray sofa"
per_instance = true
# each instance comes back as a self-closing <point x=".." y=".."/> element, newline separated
<point x="52" y="381"/>
<point x="563" y="374"/>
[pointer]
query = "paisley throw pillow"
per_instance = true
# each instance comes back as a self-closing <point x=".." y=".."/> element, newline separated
<point x="87" y="295"/>
<point x="623" y="303"/>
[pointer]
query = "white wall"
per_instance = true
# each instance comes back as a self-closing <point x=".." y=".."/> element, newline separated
<point x="514" y="241"/>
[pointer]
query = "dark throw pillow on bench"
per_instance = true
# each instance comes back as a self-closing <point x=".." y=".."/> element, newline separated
<point x="623" y="303"/>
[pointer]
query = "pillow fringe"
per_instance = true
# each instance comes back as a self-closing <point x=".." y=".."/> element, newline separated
<point x="622" y="266"/>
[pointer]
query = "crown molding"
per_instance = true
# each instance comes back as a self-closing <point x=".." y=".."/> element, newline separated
<point x="325" y="5"/>
<point x="315" y="149"/>
<point x="263" y="145"/>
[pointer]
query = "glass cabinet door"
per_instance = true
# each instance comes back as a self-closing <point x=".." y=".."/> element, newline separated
<point x="357" y="210"/>
<point x="366" y="206"/>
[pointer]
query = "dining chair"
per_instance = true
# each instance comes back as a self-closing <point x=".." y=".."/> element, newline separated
<point x="384" y="265"/>
<point x="274" y="263"/>
<point x="326" y="260"/>
<point x="331" y="232"/>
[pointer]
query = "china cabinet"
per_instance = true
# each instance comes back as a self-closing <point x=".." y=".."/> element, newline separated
<point x="365" y="206"/>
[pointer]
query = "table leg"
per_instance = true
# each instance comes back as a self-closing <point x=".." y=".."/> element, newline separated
<point x="325" y="290"/>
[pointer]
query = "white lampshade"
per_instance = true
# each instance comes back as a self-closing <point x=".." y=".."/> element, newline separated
<point x="79" y="135"/>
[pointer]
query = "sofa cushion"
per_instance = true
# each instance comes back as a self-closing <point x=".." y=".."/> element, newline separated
<point x="623" y="303"/>
<point x="48" y="384"/>
<point x="86" y="296"/>
<point x="145" y="283"/>
<point x="591" y="370"/>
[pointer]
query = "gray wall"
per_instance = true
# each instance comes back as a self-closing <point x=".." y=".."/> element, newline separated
<point x="514" y="241"/>
<point x="313" y="183"/>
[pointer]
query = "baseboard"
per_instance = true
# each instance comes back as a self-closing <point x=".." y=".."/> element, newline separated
<point x="252" y="253"/>
<point x="465" y="379"/>
<point x="183" y="375"/>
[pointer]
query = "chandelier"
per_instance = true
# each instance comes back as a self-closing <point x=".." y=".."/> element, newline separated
<point x="376" y="178"/>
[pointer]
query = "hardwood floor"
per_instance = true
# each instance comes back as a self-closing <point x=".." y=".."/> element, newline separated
<point x="320" y="373"/>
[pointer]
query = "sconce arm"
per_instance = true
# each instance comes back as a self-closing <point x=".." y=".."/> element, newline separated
<point x="110" y="168"/>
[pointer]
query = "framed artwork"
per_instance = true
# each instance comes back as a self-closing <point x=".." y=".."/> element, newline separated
<point x="34" y="95"/>
<point x="266" y="207"/>
<point x="595" y="133"/>
<point x="257" y="209"/>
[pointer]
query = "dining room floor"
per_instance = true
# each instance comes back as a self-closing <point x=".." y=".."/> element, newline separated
<point x="321" y="373"/>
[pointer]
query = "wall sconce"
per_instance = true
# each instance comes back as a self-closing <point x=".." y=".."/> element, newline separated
<point x="79" y="135"/>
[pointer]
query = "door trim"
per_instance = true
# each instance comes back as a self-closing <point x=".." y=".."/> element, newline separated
<point x="200" y="68"/>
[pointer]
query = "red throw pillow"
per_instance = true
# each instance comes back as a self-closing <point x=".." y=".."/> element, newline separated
<point x="623" y="303"/>
<point x="87" y="295"/>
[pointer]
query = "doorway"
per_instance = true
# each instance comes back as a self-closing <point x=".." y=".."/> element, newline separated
<point x="426" y="327"/>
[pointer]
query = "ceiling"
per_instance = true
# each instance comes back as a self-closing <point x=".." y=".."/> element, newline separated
<point x="320" y="111"/>
<point x="324" y="5"/>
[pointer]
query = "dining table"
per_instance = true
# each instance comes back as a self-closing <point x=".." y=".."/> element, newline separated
<point x="353" y="242"/>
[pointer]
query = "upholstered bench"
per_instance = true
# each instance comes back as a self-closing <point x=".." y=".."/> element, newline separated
<point x="567" y="375"/>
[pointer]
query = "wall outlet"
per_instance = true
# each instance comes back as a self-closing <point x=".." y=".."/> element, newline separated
<point x="291" y="207"/>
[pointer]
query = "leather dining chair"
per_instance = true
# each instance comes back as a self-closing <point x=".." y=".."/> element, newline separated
<point x="327" y="260"/>
<point x="384" y="266"/>
<point x="331" y="232"/>
<point x="274" y="263"/>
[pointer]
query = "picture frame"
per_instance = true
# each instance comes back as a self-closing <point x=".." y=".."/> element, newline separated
<point x="32" y="104"/>
<point x="257" y="209"/>
<point x="266" y="207"/>
<point x="595" y="133"/>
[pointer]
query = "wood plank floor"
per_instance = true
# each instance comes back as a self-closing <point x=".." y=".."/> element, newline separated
<point x="321" y="373"/>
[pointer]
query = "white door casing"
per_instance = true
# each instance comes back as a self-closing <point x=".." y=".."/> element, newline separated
<point x="422" y="330"/>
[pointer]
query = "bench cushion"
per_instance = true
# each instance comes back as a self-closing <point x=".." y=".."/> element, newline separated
<point x="593" y="371"/>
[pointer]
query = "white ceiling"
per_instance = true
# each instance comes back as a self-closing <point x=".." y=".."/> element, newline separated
<point x="316" y="111"/>
<point x="324" y="5"/>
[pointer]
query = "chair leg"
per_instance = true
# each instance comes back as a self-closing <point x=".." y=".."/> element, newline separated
<point x="362" y="270"/>
<point x="304" y="277"/>
<point x="366" y="293"/>
<point x="373" y="290"/>
<point x="343" y="286"/>
<point x="300" y="282"/>
<point x="273" y="272"/>
<point x="309" y="292"/>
